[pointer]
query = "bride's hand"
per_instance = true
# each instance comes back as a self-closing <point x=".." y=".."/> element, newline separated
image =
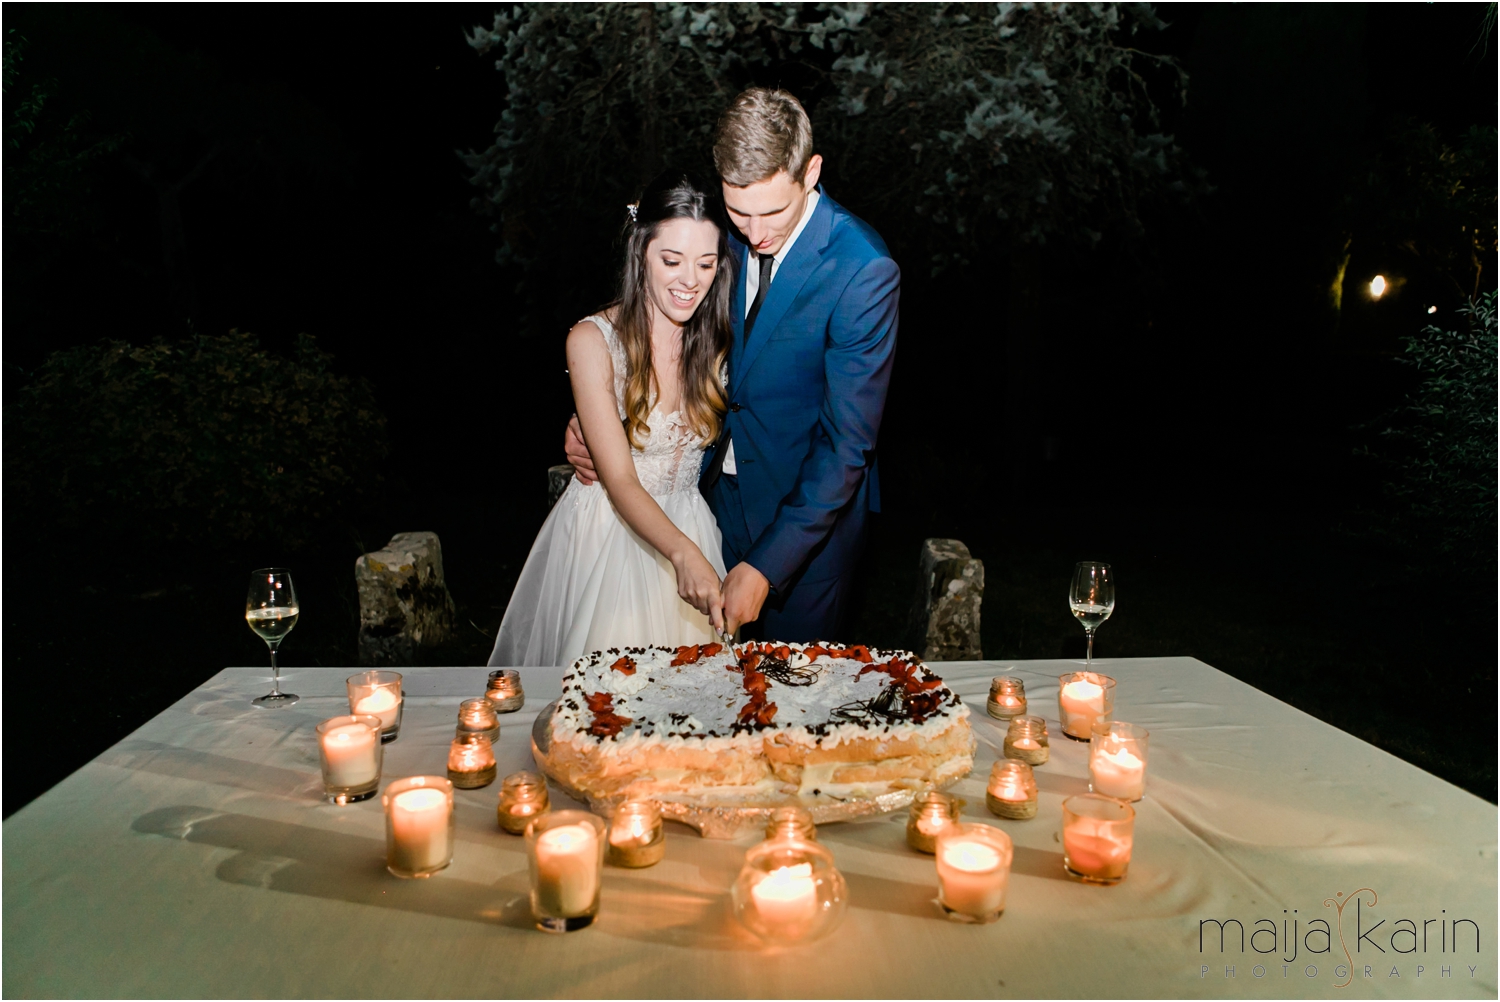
<point x="698" y="584"/>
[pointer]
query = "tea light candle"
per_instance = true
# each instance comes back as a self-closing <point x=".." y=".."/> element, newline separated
<point x="1012" y="790"/>
<point x="566" y="851"/>
<point x="349" y="752"/>
<point x="504" y="690"/>
<point x="377" y="694"/>
<point x="931" y="814"/>
<point x="791" y="820"/>
<point x="471" y="761"/>
<point x="1026" y="740"/>
<point x="523" y="798"/>
<point x="973" y="865"/>
<point x="418" y="826"/>
<point x="1117" y="760"/>
<point x="1083" y="697"/>
<point x="477" y="716"/>
<point x="787" y="897"/>
<point x="1007" y="697"/>
<point x="636" y="837"/>
<point x="1098" y="836"/>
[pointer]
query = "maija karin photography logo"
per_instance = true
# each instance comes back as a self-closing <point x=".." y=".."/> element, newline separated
<point x="1370" y="946"/>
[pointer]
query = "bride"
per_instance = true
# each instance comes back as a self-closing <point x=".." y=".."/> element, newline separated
<point x="636" y="558"/>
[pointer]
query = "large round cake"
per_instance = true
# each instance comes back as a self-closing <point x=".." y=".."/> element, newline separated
<point x="758" y="724"/>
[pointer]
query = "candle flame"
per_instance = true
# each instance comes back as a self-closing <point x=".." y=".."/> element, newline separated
<point x="972" y="857"/>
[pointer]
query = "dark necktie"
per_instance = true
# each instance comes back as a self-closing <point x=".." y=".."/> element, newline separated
<point x="766" y="261"/>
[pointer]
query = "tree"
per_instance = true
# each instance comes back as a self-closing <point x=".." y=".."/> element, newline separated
<point x="952" y="125"/>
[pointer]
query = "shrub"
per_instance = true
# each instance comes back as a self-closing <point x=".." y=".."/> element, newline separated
<point x="204" y="441"/>
<point x="1439" y="447"/>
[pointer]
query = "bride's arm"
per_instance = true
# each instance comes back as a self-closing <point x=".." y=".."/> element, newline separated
<point x="591" y="371"/>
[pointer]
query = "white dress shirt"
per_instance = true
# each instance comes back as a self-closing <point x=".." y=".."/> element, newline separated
<point x="752" y="286"/>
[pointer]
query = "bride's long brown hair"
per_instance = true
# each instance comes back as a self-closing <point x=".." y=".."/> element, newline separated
<point x="705" y="337"/>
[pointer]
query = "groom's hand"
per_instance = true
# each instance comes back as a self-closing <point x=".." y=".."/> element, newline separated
<point x="745" y="591"/>
<point x="578" y="453"/>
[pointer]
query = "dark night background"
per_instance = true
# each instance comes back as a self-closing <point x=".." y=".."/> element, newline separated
<point x="1186" y="405"/>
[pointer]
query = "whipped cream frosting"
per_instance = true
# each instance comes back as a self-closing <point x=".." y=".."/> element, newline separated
<point x="700" y="703"/>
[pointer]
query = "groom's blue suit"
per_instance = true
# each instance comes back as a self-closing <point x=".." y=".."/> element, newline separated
<point x="806" y="394"/>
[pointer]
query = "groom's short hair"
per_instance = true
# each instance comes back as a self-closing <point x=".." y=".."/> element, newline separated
<point x="764" y="131"/>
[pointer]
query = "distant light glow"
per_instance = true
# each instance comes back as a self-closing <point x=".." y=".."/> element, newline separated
<point x="1377" y="286"/>
<point x="1432" y="309"/>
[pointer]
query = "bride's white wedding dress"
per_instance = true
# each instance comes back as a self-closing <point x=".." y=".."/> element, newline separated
<point x="590" y="582"/>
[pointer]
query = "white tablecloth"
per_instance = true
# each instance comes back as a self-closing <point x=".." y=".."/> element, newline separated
<point x="196" y="858"/>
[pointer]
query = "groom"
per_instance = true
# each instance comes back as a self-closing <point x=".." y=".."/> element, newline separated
<point x="792" y="477"/>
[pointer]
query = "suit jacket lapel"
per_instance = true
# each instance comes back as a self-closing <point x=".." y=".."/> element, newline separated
<point x="791" y="276"/>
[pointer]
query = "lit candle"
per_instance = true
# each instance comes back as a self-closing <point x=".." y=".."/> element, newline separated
<point x="471" y="760"/>
<point x="381" y="703"/>
<point x="419" y="826"/>
<point x="1098" y="835"/>
<point x="1007" y="697"/>
<point x="636" y="838"/>
<point x="1012" y="790"/>
<point x="787" y="898"/>
<point x="1117" y="759"/>
<point x="351" y="754"/>
<point x="1082" y="699"/>
<point x="1117" y="774"/>
<point x="567" y="871"/>
<point x="931" y="814"/>
<point x="504" y="691"/>
<point x="973" y="865"/>
<point x="1026" y="740"/>
<point x="523" y="796"/>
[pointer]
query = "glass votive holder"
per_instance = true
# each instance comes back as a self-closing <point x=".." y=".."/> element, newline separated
<point x="637" y="837"/>
<point x="973" y="866"/>
<point x="1098" y="834"/>
<point x="931" y="814"/>
<point x="791" y="820"/>
<point x="377" y="693"/>
<point x="1084" y="697"/>
<point x="350" y="753"/>
<point x="523" y="798"/>
<point x="478" y="716"/>
<point x="1026" y="740"/>
<point x="789" y="891"/>
<point x="504" y="690"/>
<point x="1117" y="760"/>
<point x="471" y="761"/>
<point x="566" y="852"/>
<point x="418" y="825"/>
<point x="1012" y="790"/>
<point x="1007" y="697"/>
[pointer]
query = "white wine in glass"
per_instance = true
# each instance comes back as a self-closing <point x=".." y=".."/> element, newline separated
<point x="271" y="611"/>
<point x="1092" y="597"/>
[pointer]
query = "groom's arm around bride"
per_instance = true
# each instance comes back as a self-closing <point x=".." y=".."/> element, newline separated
<point x="793" y="476"/>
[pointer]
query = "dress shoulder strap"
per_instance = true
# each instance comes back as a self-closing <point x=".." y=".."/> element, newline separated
<point x="616" y="355"/>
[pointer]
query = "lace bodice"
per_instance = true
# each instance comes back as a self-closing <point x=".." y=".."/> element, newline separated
<point x="673" y="454"/>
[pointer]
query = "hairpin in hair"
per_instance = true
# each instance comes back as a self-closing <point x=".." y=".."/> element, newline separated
<point x="632" y="209"/>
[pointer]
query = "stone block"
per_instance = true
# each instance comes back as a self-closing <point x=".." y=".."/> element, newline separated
<point x="403" y="602"/>
<point x="558" y="478"/>
<point x="950" y="592"/>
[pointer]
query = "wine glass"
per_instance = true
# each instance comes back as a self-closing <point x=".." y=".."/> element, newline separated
<point x="1092" y="597"/>
<point x="271" y="610"/>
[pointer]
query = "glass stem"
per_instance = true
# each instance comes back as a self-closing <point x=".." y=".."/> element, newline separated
<point x="276" y="672"/>
<point x="1089" y="659"/>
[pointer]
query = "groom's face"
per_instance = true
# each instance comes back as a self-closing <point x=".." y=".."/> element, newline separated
<point x="767" y="212"/>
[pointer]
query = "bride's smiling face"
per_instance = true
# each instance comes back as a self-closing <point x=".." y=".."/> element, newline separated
<point x="681" y="263"/>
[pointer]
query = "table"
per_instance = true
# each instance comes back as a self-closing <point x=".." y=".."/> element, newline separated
<point x="195" y="858"/>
